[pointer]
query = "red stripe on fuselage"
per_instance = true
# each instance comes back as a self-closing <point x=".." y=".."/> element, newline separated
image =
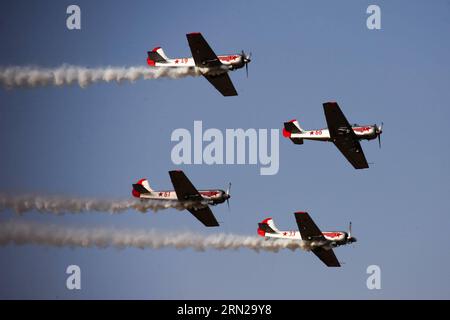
<point x="332" y="234"/>
<point x="209" y="193"/>
<point x="361" y="129"/>
<point x="228" y="58"/>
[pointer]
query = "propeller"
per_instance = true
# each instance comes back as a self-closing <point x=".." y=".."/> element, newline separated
<point x="379" y="131"/>
<point x="228" y="196"/>
<point x="350" y="230"/>
<point x="247" y="59"/>
<point x="350" y="238"/>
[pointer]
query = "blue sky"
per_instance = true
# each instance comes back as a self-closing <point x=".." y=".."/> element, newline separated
<point x="96" y="141"/>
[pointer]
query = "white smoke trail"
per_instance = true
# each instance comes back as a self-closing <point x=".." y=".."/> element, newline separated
<point x="21" y="232"/>
<point x="30" y="76"/>
<point x="60" y="204"/>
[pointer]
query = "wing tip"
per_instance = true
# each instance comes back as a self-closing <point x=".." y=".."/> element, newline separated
<point x="334" y="265"/>
<point x="209" y="225"/>
<point x="330" y="104"/>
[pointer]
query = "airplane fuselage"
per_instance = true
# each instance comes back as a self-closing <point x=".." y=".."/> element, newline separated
<point x="211" y="197"/>
<point x="332" y="238"/>
<point x="228" y="62"/>
<point x="309" y="237"/>
<point x="362" y="133"/>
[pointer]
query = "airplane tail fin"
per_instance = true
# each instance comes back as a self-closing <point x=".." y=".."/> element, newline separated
<point x="156" y="55"/>
<point x="141" y="187"/>
<point x="292" y="127"/>
<point x="267" y="226"/>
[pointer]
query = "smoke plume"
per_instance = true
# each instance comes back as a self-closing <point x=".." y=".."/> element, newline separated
<point x="61" y="204"/>
<point x="21" y="232"/>
<point x="30" y="76"/>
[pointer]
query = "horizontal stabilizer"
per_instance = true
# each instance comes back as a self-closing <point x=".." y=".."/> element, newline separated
<point x="297" y="140"/>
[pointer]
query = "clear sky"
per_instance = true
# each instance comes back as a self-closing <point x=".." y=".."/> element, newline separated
<point x="96" y="141"/>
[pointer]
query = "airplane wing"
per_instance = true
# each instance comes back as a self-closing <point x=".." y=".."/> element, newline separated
<point x="352" y="150"/>
<point x="223" y="84"/>
<point x="205" y="216"/>
<point x="184" y="188"/>
<point x="327" y="256"/>
<point x="202" y="53"/>
<point x="185" y="191"/>
<point x="309" y="231"/>
<point x="204" y="56"/>
<point x="343" y="137"/>
<point x="307" y="227"/>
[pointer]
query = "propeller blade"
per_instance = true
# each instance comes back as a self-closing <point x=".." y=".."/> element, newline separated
<point x="246" y="59"/>
<point x="379" y="131"/>
<point x="228" y="195"/>
<point x="350" y="230"/>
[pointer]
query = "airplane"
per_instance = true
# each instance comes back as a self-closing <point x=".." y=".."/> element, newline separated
<point x="214" y="68"/>
<point x="345" y="136"/>
<point x="322" y="243"/>
<point x="185" y="192"/>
